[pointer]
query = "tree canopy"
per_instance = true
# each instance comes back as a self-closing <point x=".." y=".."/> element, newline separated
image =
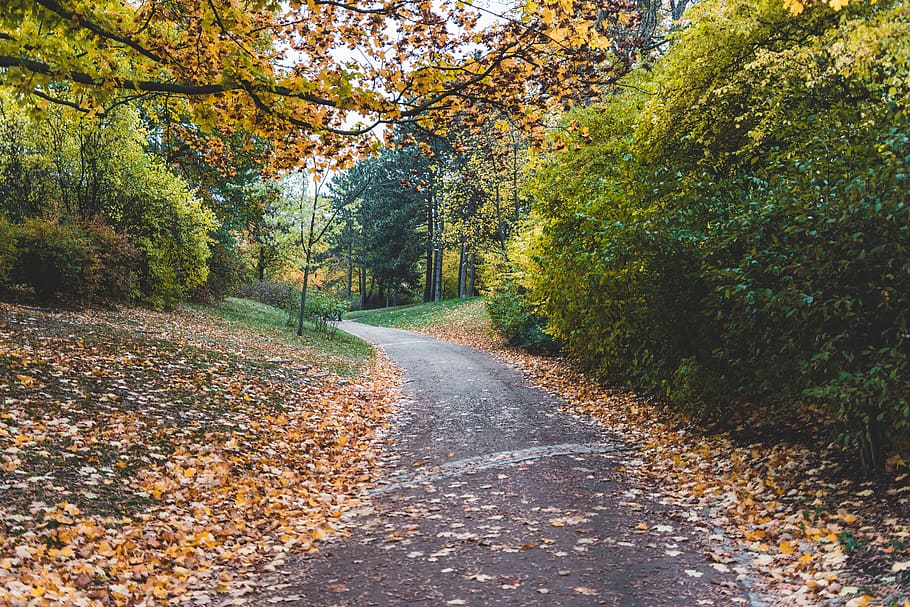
<point x="301" y="74"/>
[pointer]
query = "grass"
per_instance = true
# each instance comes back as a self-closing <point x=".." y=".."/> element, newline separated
<point x="422" y="316"/>
<point x="338" y="353"/>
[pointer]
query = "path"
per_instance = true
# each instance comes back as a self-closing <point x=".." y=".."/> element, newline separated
<point x="495" y="497"/>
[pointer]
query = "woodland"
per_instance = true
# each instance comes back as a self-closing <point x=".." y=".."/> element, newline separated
<point x="704" y="202"/>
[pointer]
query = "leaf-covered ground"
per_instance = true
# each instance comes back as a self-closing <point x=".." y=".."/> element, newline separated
<point x="796" y="518"/>
<point x="151" y="458"/>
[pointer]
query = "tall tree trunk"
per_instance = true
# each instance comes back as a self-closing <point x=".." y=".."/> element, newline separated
<point x="462" y="271"/>
<point x="472" y="274"/>
<point x="308" y="255"/>
<point x="440" y="232"/>
<point x="260" y="264"/>
<point x="500" y="225"/>
<point x="431" y="233"/>
<point x="350" y="283"/>
<point x="306" y="279"/>
<point x="363" y="287"/>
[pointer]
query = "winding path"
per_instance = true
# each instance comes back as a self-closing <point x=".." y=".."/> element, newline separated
<point x="495" y="497"/>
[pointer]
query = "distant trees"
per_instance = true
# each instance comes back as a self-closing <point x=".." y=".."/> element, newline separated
<point x="431" y="211"/>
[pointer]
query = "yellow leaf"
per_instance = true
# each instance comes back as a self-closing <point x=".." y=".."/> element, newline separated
<point x="786" y="547"/>
<point x="794" y="6"/>
<point x="806" y="558"/>
<point x="25" y="380"/>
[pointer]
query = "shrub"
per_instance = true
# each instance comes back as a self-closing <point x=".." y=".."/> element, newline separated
<point x="115" y="275"/>
<point x="324" y="309"/>
<point x="226" y="270"/>
<point x="281" y="295"/>
<point x="275" y="294"/>
<point x="513" y="318"/>
<point x="9" y="239"/>
<point x="56" y="260"/>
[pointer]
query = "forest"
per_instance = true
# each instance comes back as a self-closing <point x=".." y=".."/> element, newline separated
<point x="709" y="206"/>
<point x="683" y="221"/>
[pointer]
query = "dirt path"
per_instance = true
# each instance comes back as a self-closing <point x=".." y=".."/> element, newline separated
<point x="495" y="497"/>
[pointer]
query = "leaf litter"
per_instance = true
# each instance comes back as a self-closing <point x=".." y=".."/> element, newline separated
<point x="170" y="458"/>
<point x="792" y="518"/>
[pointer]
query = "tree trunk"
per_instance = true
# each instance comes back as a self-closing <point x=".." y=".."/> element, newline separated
<point x="363" y="287"/>
<point x="430" y="273"/>
<point x="306" y="279"/>
<point x="500" y="226"/>
<point x="440" y="230"/>
<point x="260" y="265"/>
<point x="472" y="274"/>
<point x="350" y="283"/>
<point x="462" y="271"/>
<point x="870" y="448"/>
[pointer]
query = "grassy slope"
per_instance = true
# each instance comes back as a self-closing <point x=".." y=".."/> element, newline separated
<point x="463" y="321"/>
<point x="426" y="316"/>
<point x="340" y="353"/>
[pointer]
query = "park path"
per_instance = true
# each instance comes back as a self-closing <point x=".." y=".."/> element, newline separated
<point x="493" y="496"/>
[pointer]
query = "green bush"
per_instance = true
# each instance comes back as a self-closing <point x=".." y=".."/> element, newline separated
<point x="742" y="240"/>
<point x="56" y="260"/>
<point x="69" y="262"/>
<point x="512" y="317"/>
<point x="9" y="239"/>
<point x="324" y="309"/>
<point x="281" y="295"/>
<point x="227" y="271"/>
<point x="115" y="274"/>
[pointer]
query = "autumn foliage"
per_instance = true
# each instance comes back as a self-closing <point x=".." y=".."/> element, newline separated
<point x="154" y="459"/>
<point x="730" y="231"/>
<point x="301" y="74"/>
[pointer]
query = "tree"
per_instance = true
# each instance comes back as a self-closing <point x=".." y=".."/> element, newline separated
<point x="392" y="213"/>
<point x="90" y="169"/>
<point x="733" y="240"/>
<point x="296" y="73"/>
<point x="348" y="189"/>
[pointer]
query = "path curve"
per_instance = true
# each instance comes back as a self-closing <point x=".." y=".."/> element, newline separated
<point x="493" y="496"/>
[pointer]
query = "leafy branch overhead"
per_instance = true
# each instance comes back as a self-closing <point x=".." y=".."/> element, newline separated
<point x="319" y="69"/>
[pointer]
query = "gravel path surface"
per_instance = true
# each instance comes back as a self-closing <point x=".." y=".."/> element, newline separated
<point x="495" y="497"/>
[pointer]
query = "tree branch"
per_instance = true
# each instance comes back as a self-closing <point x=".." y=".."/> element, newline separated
<point x="67" y="15"/>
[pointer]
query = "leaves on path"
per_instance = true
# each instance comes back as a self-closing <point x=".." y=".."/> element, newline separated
<point x="805" y="526"/>
<point x="164" y="458"/>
